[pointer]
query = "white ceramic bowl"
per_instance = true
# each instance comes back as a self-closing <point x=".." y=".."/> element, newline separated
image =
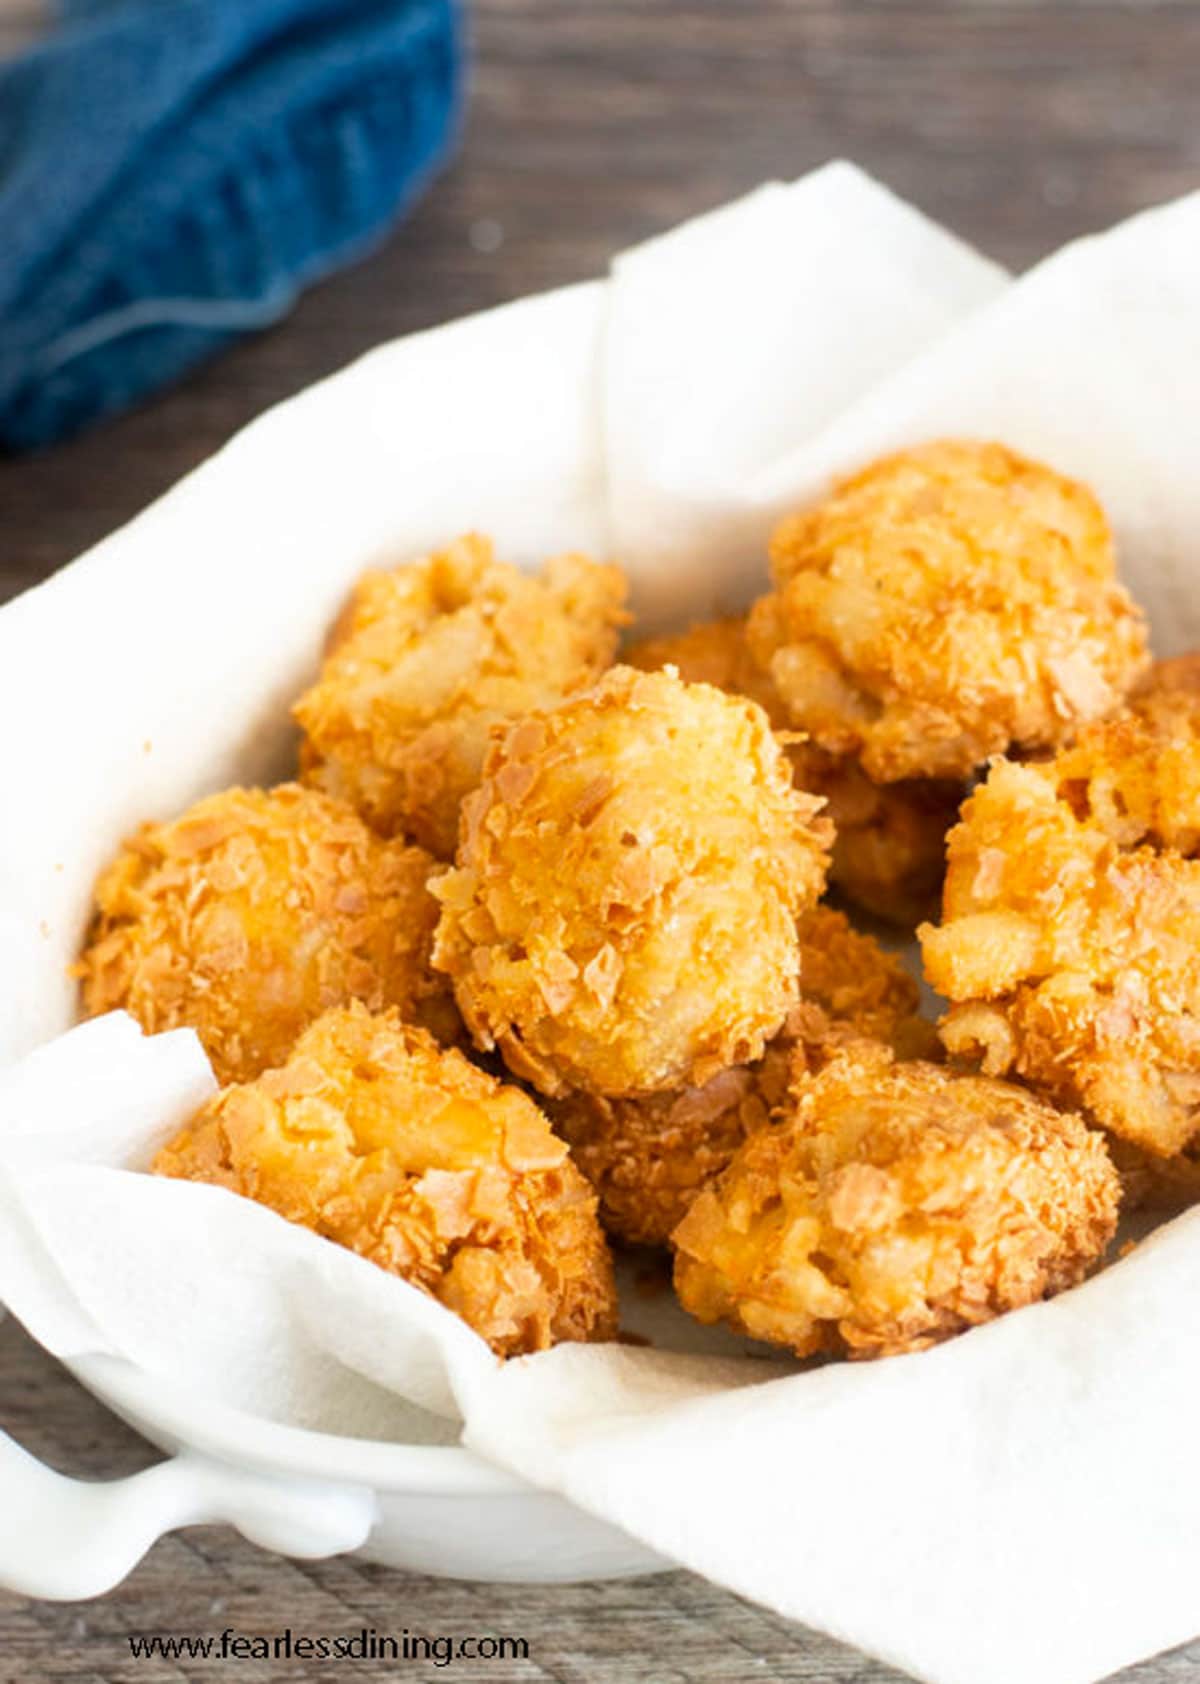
<point x="434" y="1508"/>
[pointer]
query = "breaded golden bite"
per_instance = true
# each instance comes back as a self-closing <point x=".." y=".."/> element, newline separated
<point x="898" y="1205"/>
<point x="252" y="914"/>
<point x="889" y="851"/>
<point x="631" y="871"/>
<point x="711" y="652"/>
<point x="372" y="1136"/>
<point x="1137" y="775"/>
<point x="1140" y="777"/>
<point x="943" y="605"/>
<point x="648" y="1158"/>
<point x="426" y="659"/>
<point x="889" y="854"/>
<point x="1070" y="959"/>
<point x="850" y="985"/>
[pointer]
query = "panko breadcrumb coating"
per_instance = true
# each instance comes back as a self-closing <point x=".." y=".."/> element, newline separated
<point x="945" y="604"/>
<point x="1158" y="776"/>
<point x="849" y="983"/>
<point x="648" y="1158"/>
<point x="889" y="851"/>
<point x="372" y="1136"/>
<point x="898" y="1205"/>
<point x="1138" y="775"/>
<point x="630" y="876"/>
<point x="426" y="659"/>
<point x="1070" y="959"/>
<point x="889" y="854"/>
<point x="711" y="652"/>
<point x="252" y="914"/>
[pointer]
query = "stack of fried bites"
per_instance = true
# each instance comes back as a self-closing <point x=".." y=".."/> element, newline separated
<point x="535" y="951"/>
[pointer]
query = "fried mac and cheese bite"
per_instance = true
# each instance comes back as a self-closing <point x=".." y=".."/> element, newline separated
<point x="648" y="1158"/>
<point x="1137" y="775"/>
<point x="711" y="652"/>
<point x="427" y="658"/>
<point x="374" y="1137"/>
<point x="1069" y="946"/>
<point x="889" y="852"/>
<point x="622" y="919"/>
<point x="897" y="1205"/>
<point x="850" y="987"/>
<point x="889" y="849"/>
<point x="252" y="914"/>
<point x="945" y="604"/>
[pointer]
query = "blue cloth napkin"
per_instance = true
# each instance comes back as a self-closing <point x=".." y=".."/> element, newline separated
<point x="173" y="172"/>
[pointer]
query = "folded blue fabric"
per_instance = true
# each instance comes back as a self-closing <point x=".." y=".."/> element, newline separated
<point x="173" y="172"/>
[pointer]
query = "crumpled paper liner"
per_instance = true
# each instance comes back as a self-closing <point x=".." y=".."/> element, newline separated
<point x="1021" y="1503"/>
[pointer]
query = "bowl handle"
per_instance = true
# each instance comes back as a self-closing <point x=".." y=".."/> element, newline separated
<point x="66" y="1539"/>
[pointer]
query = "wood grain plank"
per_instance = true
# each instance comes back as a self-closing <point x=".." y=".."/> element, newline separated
<point x="593" y="126"/>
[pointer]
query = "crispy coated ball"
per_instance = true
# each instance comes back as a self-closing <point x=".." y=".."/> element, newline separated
<point x="255" y="912"/>
<point x="899" y="1204"/>
<point x="1142" y="777"/>
<point x="712" y="652"/>
<point x="427" y="658"/>
<point x="848" y="983"/>
<point x="631" y="871"/>
<point x="943" y="605"/>
<point x="372" y="1136"/>
<point x="889" y="852"/>
<point x="1070" y="959"/>
<point x="648" y="1158"/>
<point x="1137" y="775"/>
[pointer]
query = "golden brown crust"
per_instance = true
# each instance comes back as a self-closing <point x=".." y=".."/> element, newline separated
<point x="648" y="1158"/>
<point x="1071" y="960"/>
<point x="943" y="605"/>
<point x="374" y="1137"/>
<point x="428" y="658"/>
<point x="712" y="652"/>
<point x="889" y="851"/>
<point x="855" y="986"/>
<point x="898" y="1205"/>
<point x="1137" y="775"/>
<point x="253" y="913"/>
<point x="623" y="916"/>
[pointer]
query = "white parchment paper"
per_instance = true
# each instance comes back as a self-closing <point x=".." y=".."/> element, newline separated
<point x="1020" y="1504"/>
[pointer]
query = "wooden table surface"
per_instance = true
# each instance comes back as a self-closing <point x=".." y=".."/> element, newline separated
<point x="1021" y="124"/>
